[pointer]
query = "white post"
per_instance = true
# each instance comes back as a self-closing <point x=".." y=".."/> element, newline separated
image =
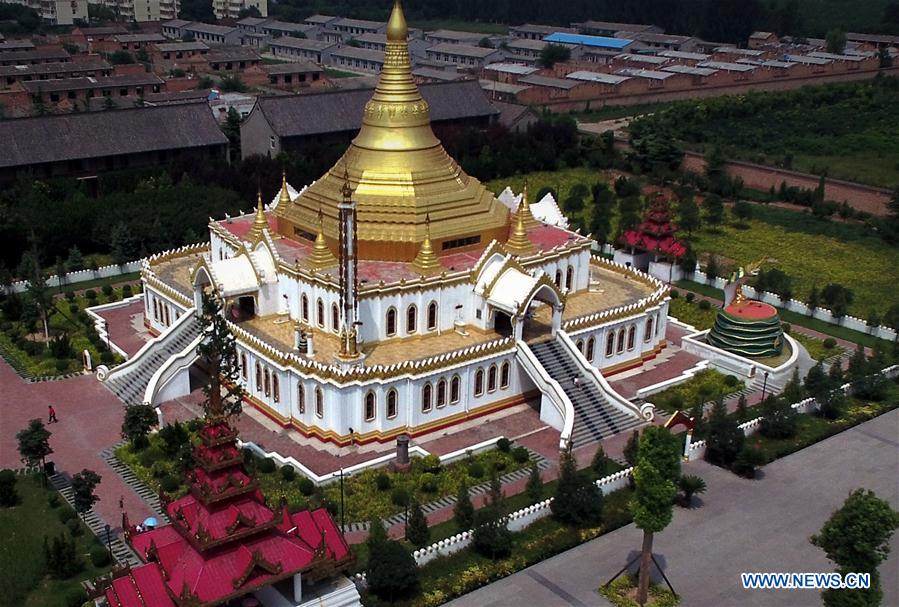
<point x="298" y="588"/>
<point x="687" y="443"/>
<point x="310" y="350"/>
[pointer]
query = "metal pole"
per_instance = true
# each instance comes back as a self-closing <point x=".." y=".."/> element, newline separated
<point x="765" y="385"/>
<point x="108" y="541"/>
<point x="106" y="329"/>
<point x="342" y="508"/>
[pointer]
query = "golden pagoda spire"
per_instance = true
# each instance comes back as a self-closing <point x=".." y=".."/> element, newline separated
<point x="321" y="256"/>
<point x="260" y="223"/>
<point x="426" y="261"/>
<point x="285" y="194"/>
<point x="519" y="243"/>
<point x="525" y="208"/>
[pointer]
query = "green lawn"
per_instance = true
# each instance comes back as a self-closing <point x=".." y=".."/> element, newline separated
<point x="22" y="569"/>
<point x="692" y="314"/>
<point x="811" y="252"/>
<point x="561" y="181"/>
<point x="815" y="347"/>
<point x="710" y="384"/>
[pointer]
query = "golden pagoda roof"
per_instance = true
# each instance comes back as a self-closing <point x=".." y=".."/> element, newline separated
<point x="399" y="172"/>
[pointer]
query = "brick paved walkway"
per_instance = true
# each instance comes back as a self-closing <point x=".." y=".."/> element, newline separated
<point x="90" y="419"/>
<point x="123" y="323"/>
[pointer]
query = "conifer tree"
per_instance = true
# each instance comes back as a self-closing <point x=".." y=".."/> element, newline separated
<point x="578" y="501"/>
<point x="463" y="511"/>
<point x="417" y="531"/>
<point x="221" y="354"/>
<point x="534" y="487"/>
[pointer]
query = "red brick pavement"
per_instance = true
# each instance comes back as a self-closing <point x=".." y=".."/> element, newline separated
<point x="90" y="419"/>
<point x="674" y="366"/>
<point x="121" y="331"/>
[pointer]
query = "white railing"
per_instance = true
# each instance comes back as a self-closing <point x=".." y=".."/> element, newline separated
<point x="100" y="322"/>
<point x="613" y="397"/>
<point x="73" y="278"/>
<point x="551" y="389"/>
<point x="515" y="521"/>
<point x="170" y="368"/>
<point x="160" y="341"/>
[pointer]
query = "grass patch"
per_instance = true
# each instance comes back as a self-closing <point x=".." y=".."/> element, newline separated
<point x="611" y="112"/>
<point x="700" y="288"/>
<point x="621" y="593"/>
<point x="97" y="283"/>
<point x="692" y="314"/>
<point x="811" y="252"/>
<point x="815" y="347"/>
<point x="23" y="574"/>
<point x="708" y="384"/>
<point x="332" y="73"/>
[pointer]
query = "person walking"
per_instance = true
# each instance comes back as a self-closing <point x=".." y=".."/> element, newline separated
<point x="51" y="413"/>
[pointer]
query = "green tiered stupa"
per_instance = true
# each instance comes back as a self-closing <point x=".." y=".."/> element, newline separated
<point x="748" y="328"/>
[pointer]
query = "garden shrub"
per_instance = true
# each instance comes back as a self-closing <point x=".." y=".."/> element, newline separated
<point x="127" y="291"/>
<point x="787" y="327"/>
<point x="306" y="486"/>
<point x="74" y="525"/>
<point x="431" y="463"/>
<point x="70" y="295"/>
<point x="399" y="496"/>
<point x="99" y="556"/>
<point x="499" y="465"/>
<point x="149" y="456"/>
<point x="731" y="381"/>
<point x="520" y="454"/>
<point x="169" y="483"/>
<point x="73" y="308"/>
<point x="107" y="290"/>
<point x="173" y="437"/>
<point x="428" y="482"/>
<point x="705" y="304"/>
<point x="674" y="293"/>
<point x="266" y="465"/>
<point x="159" y="469"/>
<point x="504" y="444"/>
<point x="106" y="357"/>
<point x="8" y="494"/>
<point x="747" y="461"/>
<point x="76" y="597"/>
<point x="65" y="515"/>
<point x="61" y="365"/>
<point x="91" y="294"/>
<point x="830" y="343"/>
<point x="690" y="297"/>
<point x="476" y="470"/>
<point x="382" y="482"/>
<point x="288" y="473"/>
<point x="53" y="500"/>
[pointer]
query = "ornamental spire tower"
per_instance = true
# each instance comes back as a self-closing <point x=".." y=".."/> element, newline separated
<point x="260" y="223"/>
<point x="400" y="174"/>
<point x="349" y="347"/>
<point x="321" y="256"/>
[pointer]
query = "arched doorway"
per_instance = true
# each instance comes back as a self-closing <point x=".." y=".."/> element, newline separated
<point x="502" y="323"/>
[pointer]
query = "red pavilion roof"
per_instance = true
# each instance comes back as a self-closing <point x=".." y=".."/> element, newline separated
<point x="656" y="234"/>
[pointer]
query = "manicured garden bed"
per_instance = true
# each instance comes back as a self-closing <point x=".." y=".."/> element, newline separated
<point x="24" y="574"/>
<point x="816" y="348"/>
<point x="691" y="314"/>
<point x="451" y="576"/>
<point x="707" y="385"/>
<point x="375" y="493"/>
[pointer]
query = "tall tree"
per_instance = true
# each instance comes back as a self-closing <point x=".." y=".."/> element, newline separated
<point x="725" y="439"/>
<point x="714" y="209"/>
<point x="578" y="501"/>
<point x="835" y="40"/>
<point x="219" y="350"/>
<point x="34" y="443"/>
<point x="655" y="485"/>
<point x="37" y="289"/>
<point x="83" y="485"/>
<point x="688" y="218"/>
<point x="138" y="421"/>
<point x="552" y="54"/>
<point x="417" y="531"/>
<point x="857" y="538"/>
<point x="463" y="511"/>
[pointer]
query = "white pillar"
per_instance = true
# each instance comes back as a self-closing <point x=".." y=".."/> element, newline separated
<point x="298" y="588"/>
<point x="687" y="443"/>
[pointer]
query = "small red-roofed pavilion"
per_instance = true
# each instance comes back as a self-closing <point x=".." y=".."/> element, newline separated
<point x="224" y="541"/>
<point x="656" y="234"/>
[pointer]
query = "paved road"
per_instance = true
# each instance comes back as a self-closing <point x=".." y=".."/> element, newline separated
<point x="743" y="525"/>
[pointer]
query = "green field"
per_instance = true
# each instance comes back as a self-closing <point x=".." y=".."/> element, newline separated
<point x="22" y="569"/>
<point x="811" y="252"/>
<point x="847" y="131"/>
<point x="561" y="181"/>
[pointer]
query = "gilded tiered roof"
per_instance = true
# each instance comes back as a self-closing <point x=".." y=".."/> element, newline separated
<point x="400" y="174"/>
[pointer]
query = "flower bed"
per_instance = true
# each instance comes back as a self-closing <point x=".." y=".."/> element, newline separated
<point x="620" y="593"/>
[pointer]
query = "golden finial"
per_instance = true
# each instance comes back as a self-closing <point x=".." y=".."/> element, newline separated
<point x="260" y="223"/>
<point x="426" y="261"/>
<point x="347" y="189"/>
<point x="519" y="243"/>
<point x="525" y="209"/>
<point x="321" y="256"/>
<point x="285" y="195"/>
<point x="397" y="30"/>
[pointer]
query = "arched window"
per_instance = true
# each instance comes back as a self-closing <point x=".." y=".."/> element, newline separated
<point x="301" y="398"/>
<point x="391" y="404"/>
<point x="335" y="318"/>
<point x="304" y="307"/>
<point x="648" y="335"/>
<point x="455" y="389"/>
<point x="427" y="395"/>
<point x="504" y="375"/>
<point x="569" y="278"/>
<point x="391" y="321"/>
<point x="441" y="393"/>
<point x="620" y="340"/>
<point x="168" y="319"/>
<point x="491" y="379"/>
<point x="610" y="343"/>
<point x="559" y="278"/>
<point x="243" y="365"/>
<point x="432" y="316"/>
<point x="276" y="388"/>
<point x="631" y="337"/>
<point x="478" y="382"/>
<point x="580" y="345"/>
<point x="319" y="402"/>
<point x="320" y="312"/>
<point x="155" y="310"/>
<point x="258" y="377"/>
<point x="411" y="319"/>
<point x="591" y="346"/>
<point x="268" y="383"/>
<point x="370" y="406"/>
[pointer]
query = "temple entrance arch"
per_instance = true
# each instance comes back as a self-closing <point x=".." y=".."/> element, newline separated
<point x="202" y="284"/>
<point x="541" y="313"/>
<point x="502" y="323"/>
